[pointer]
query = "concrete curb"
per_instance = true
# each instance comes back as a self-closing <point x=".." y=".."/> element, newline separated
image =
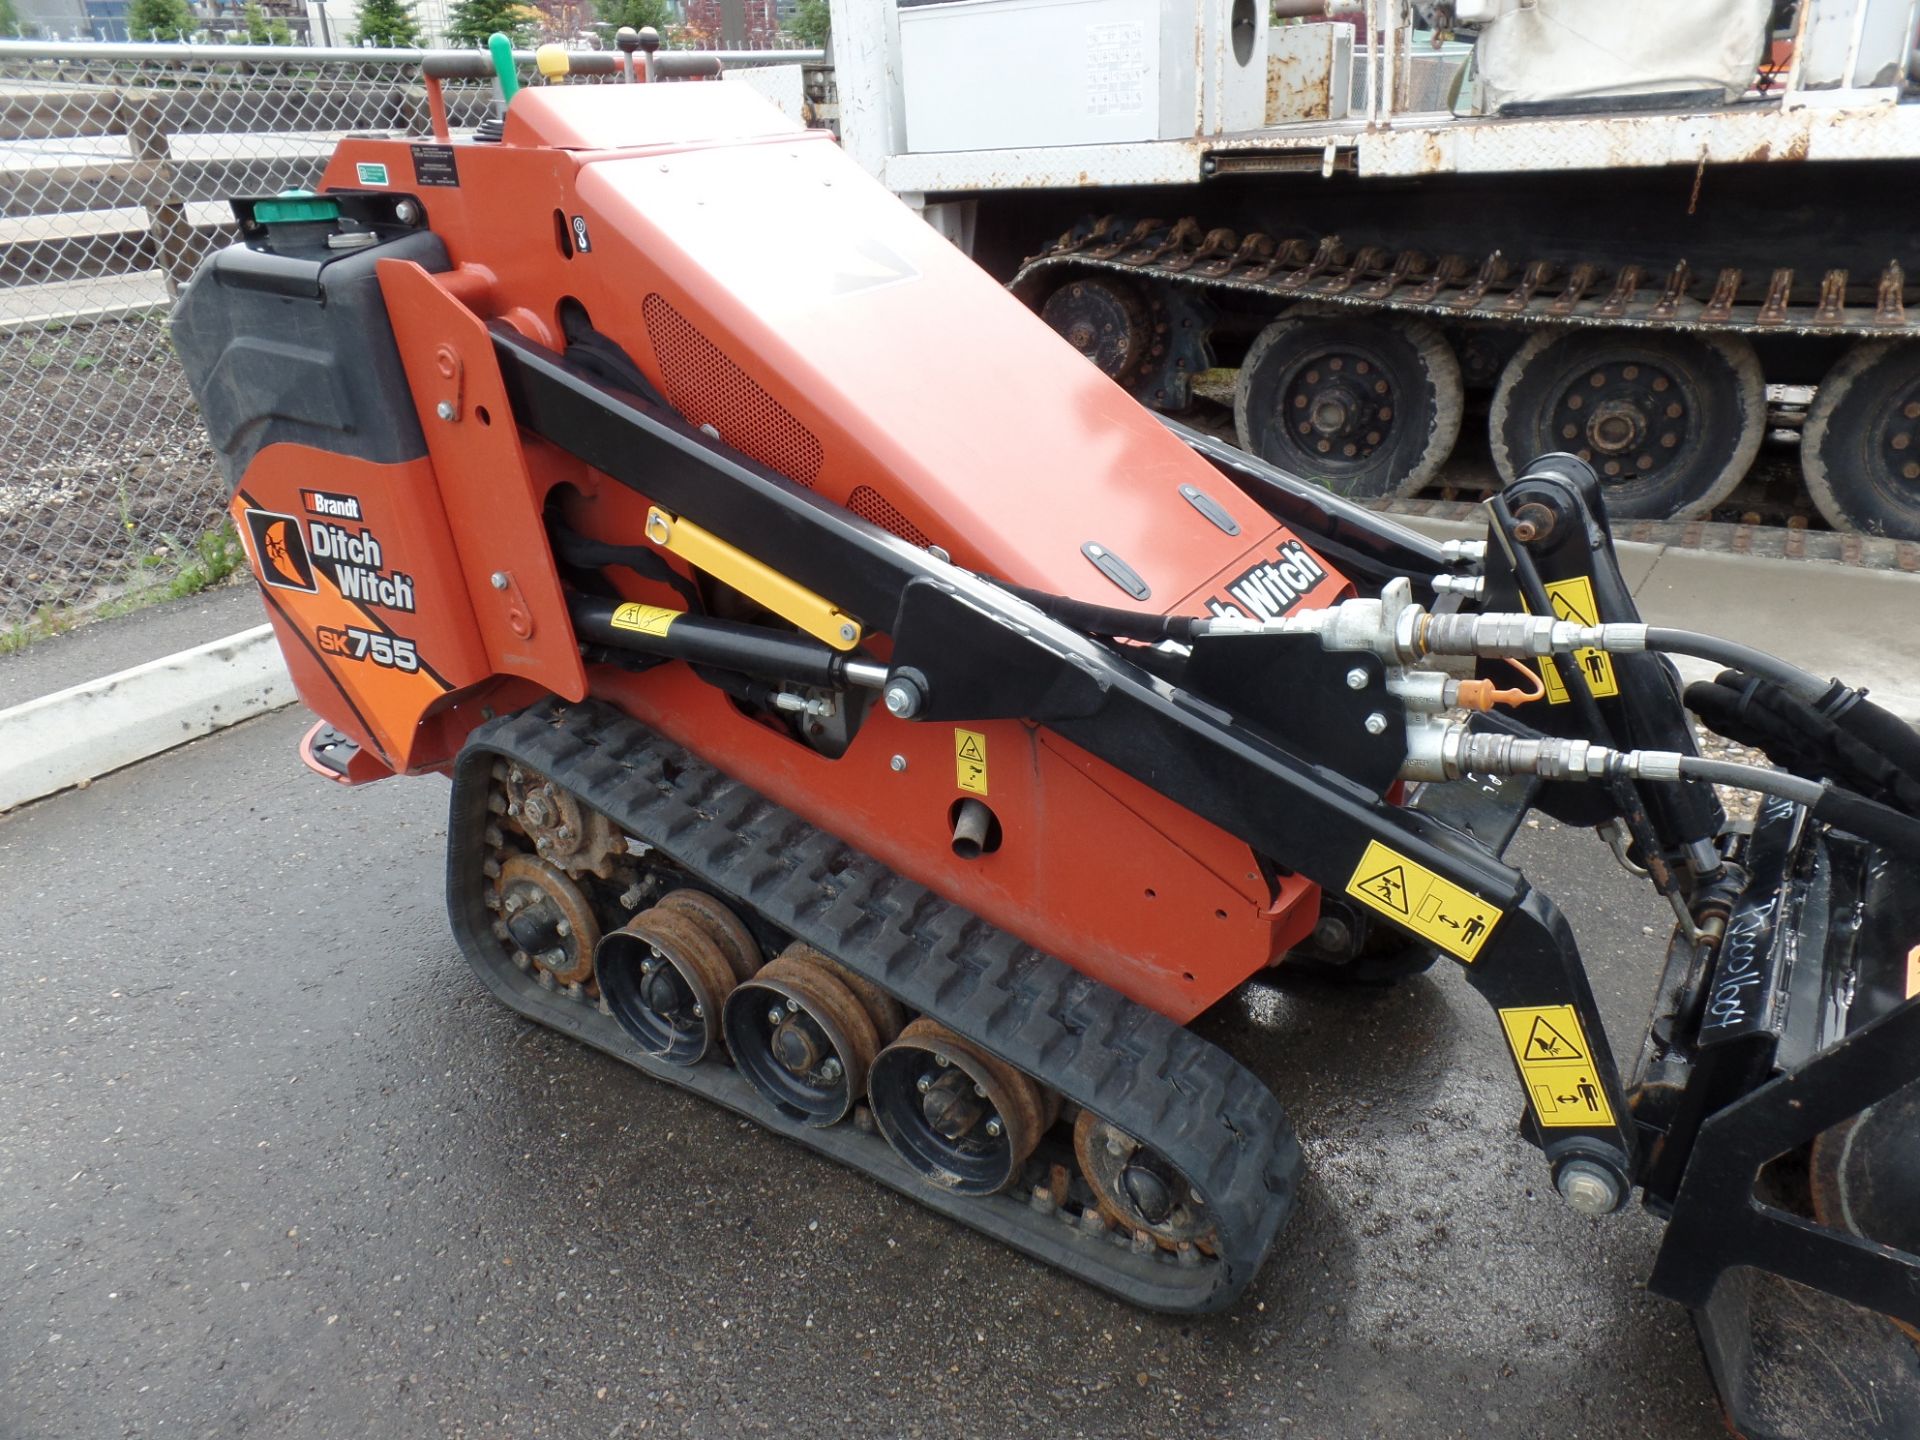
<point x="74" y="735"/>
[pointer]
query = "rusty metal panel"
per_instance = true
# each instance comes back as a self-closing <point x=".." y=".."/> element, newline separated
<point x="1609" y="142"/>
<point x="1309" y="72"/>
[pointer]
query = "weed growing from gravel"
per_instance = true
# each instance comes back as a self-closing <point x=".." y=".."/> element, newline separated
<point x="180" y="569"/>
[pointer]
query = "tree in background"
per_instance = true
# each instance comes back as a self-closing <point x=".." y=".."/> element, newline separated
<point x="261" y="31"/>
<point x="9" y="19"/>
<point x="389" y="24"/>
<point x="637" y="13"/>
<point x="472" y="21"/>
<point x="565" y="20"/>
<point x="811" y="21"/>
<point x="160" y="19"/>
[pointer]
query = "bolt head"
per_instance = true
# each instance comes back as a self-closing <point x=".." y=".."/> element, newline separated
<point x="444" y="410"/>
<point x="1356" y="679"/>
<point x="498" y="580"/>
<point x="562" y="928"/>
<point x="849" y="633"/>
<point x="830" y="1068"/>
<point x="1588" y="1188"/>
<point x="994" y="1127"/>
<point x="898" y="763"/>
<point x="902" y="702"/>
<point x="699" y="1012"/>
<point x="776" y="1015"/>
<point x="406" y="212"/>
<point x="923" y="1084"/>
<point x="1376" y="724"/>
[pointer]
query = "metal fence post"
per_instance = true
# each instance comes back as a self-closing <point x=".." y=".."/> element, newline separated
<point x="146" y="124"/>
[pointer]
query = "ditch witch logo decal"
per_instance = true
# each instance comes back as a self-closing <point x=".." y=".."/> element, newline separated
<point x="1273" y="587"/>
<point x="353" y="559"/>
<point x="277" y="545"/>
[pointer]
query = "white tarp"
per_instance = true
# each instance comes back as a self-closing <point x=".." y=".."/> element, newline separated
<point x="1543" y="50"/>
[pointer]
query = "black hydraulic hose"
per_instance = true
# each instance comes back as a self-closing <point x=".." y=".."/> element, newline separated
<point x="1846" y="709"/>
<point x="1881" y="731"/>
<point x="1796" y="682"/>
<point x="1841" y="809"/>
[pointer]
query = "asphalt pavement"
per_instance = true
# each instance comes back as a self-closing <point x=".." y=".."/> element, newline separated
<point x="271" y="1164"/>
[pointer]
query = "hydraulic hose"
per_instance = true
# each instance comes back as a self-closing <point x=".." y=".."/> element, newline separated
<point x="1455" y="751"/>
<point x="1797" y="682"/>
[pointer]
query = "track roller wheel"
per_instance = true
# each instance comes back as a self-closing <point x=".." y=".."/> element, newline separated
<point x="1670" y="423"/>
<point x="1367" y="407"/>
<point x="1138" y="1190"/>
<point x="1865" y="1174"/>
<point x="805" y="1031"/>
<point x="960" y="1118"/>
<point x="545" y="920"/>
<point x="1106" y="320"/>
<point x="1860" y="451"/>
<point x="667" y="973"/>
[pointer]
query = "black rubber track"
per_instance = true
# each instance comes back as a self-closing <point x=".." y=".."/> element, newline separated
<point x="1187" y="1099"/>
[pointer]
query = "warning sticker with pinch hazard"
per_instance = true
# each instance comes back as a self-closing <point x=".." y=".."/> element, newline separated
<point x="1434" y="908"/>
<point x="1557" y="1065"/>
<point x="1573" y="600"/>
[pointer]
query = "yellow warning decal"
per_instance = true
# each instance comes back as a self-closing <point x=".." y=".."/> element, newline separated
<point x="970" y="761"/>
<point x="1573" y="600"/>
<point x="646" y="619"/>
<point x="1913" y="972"/>
<point x="1556" y="1063"/>
<point x="1433" y="908"/>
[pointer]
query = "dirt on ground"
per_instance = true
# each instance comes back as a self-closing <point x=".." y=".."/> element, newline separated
<point x="106" y="462"/>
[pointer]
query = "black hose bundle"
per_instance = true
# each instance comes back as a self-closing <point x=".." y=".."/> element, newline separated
<point x="1842" y="737"/>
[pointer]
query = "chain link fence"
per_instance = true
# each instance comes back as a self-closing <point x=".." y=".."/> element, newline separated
<point x="115" y="165"/>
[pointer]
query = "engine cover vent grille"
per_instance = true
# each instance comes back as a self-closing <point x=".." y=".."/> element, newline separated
<point x="870" y="505"/>
<point x="709" y="389"/>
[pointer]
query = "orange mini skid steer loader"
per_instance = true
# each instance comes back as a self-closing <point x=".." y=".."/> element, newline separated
<point x="862" y="713"/>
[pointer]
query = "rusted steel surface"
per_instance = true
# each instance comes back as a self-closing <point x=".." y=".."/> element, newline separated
<point x="1448" y="286"/>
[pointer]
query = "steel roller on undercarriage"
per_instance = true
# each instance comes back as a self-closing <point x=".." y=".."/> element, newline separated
<point x="862" y="713"/>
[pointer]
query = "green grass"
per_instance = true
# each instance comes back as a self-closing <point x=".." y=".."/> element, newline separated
<point x="179" y="570"/>
<point x="182" y="570"/>
<point x="47" y="620"/>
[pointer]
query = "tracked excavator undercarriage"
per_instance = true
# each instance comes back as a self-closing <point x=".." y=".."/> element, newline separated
<point x="1361" y="361"/>
<point x="904" y="778"/>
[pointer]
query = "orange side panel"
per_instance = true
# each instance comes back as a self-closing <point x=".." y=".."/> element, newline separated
<point x="491" y="503"/>
<point x="1079" y="872"/>
<point x="364" y="591"/>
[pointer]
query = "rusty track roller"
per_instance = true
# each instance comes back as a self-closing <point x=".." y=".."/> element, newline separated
<point x="805" y="1032"/>
<point x="962" y="1119"/>
<point x="1138" y="1190"/>
<point x="667" y="973"/>
<point x="546" y="920"/>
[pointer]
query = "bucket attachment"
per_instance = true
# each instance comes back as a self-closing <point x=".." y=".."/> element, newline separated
<point x="1795" y="1226"/>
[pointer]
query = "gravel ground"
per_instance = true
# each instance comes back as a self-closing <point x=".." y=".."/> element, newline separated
<point x="105" y="460"/>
